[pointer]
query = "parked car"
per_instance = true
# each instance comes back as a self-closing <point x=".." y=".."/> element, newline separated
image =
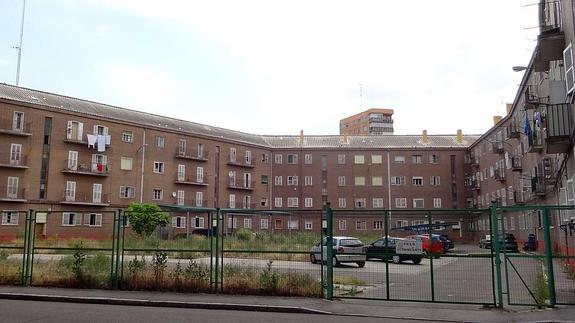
<point x="345" y="250"/>
<point x="507" y="243"/>
<point x="379" y="250"/>
<point x="449" y="242"/>
<point x="433" y="246"/>
<point x="485" y="241"/>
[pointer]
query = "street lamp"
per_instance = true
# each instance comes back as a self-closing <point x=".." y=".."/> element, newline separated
<point x="519" y="68"/>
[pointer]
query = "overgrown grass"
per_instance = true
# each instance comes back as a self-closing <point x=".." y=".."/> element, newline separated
<point x="541" y="290"/>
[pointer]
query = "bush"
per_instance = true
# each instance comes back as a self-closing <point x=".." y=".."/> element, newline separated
<point x="269" y="279"/>
<point x="244" y="234"/>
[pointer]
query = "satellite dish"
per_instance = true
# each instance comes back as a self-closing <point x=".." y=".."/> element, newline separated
<point x="174" y="194"/>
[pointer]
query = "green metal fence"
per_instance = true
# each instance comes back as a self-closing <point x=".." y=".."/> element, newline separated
<point x="263" y="252"/>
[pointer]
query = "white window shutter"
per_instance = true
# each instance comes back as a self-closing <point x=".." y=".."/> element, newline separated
<point x="95" y="130"/>
<point x="569" y="70"/>
<point x="87" y="218"/>
<point x="65" y="217"/>
<point x="99" y="220"/>
<point x="174" y="222"/>
<point x="183" y="222"/>
<point x="77" y="219"/>
<point x="80" y="130"/>
<point x="69" y="130"/>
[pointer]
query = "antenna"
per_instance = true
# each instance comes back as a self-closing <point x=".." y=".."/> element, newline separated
<point x="361" y="96"/>
<point x="20" y="44"/>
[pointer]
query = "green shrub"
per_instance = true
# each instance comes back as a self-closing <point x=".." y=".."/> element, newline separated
<point x="244" y="234"/>
<point x="269" y="279"/>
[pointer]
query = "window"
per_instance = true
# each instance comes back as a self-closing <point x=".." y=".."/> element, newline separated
<point x="264" y="202"/>
<point x="100" y="130"/>
<point x="181" y="173"/>
<point x="232" y="201"/>
<point x="264" y="224"/>
<point x="70" y="191"/>
<point x="200" y="150"/>
<point x="359" y="159"/>
<point x="342" y="225"/>
<point x="359" y="203"/>
<point x="399" y="159"/>
<point x="278" y="224"/>
<point x="376" y="159"/>
<point x="292" y="180"/>
<point x="418" y="203"/>
<point x="293" y="224"/>
<point x="200" y="174"/>
<point x="126" y="163"/>
<point x="341" y="202"/>
<point x="278" y="202"/>
<point x="15" y="154"/>
<point x="377" y="181"/>
<point x="377" y="202"/>
<point x="232" y="222"/>
<point x="127" y="136"/>
<point x="158" y="167"/>
<point x="248" y="157"/>
<point x="292" y="159"/>
<point x="400" y="202"/>
<point x="93" y="219"/>
<point x="397" y="180"/>
<point x="292" y="202"/>
<point x="308" y="202"/>
<point x="278" y="181"/>
<point x="341" y="181"/>
<point x="181" y="198"/>
<point x="361" y="225"/>
<point x="247" y="202"/>
<point x="248" y="223"/>
<point x="417" y="181"/>
<point x="401" y="223"/>
<point x="179" y="222"/>
<point x="278" y="158"/>
<point x="433" y="159"/>
<point x="233" y="155"/>
<point x="74" y="130"/>
<point x="199" y="198"/>
<point x="70" y="219"/>
<point x="308" y="159"/>
<point x="18" y="121"/>
<point x="569" y="69"/>
<point x="264" y="179"/>
<point x="97" y="193"/>
<point x="359" y="181"/>
<point x="158" y="194"/>
<point x="198" y="222"/>
<point x="416" y="159"/>
<point x="434" y="180"/>
<point x="308" y="225"/>
<point x="182" y="147"/>
<point x="265" y="158"/>
<point x="9" y="217"/>
<point x="308" y="181"/>
<point x="341" y="159"/>
<point x="377" y="225"/>
<point x="160" y="141"/>
<point x="437" y="203"/>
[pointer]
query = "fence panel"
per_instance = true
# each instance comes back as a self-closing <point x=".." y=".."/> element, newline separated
<point x="12" y="245"/>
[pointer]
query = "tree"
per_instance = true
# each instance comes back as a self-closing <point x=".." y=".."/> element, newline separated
<point x="144" y="218"/>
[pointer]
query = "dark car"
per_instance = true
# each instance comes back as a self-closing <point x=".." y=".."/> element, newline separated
<point x="379" y="250"/>
<point x="449" y="242"/>
<point x="507" y="243"/>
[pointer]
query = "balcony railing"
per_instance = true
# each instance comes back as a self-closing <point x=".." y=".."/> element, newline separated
<point x="513" y="131"/>
<point x="240" y="205"/>
<point x="519" y="197"/>
<point x="532" y="98"/>
<point x="535" y="141"/>
<point x="11" y="194"/>
<point x="198" y="156"/>
<point x="559" y="128"/>
<point x="538" y="187"/>
<point x="499" y="175"/>
<point x="241" y="162"/>
<point x="86" y="168"/>
<point x="192" y="202"/>
<point x="497" y="147"/>
<point x="548" y="170"/>
<point x="516" y="164"/>
<point x="10" y="162"/>
<point x="84" y="198"/>
<point x="240" y="185"/>
<point x="551" y="39"/>
<point x="7" y="127"/>
<point x="190" y="180"/>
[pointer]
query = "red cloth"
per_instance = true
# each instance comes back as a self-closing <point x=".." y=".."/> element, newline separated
<point x="100" y="168"/>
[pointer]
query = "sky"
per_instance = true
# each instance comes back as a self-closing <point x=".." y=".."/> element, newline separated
<point x="278" y="67"/>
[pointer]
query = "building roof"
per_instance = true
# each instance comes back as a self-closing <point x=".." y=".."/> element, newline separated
<point x="59" y="102"/>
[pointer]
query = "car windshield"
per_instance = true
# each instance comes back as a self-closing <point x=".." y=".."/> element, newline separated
<point x="350" y="243"/>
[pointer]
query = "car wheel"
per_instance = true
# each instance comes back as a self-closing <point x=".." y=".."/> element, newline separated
<point x="416" y="261"/>
<point x="312" y="259"/>
<point x="396" y="259"/>
<point x="361" y="264"/>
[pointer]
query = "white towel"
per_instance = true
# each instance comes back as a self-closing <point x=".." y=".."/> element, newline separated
<point x="91" y="140"/>
<point x="101" y="143"/>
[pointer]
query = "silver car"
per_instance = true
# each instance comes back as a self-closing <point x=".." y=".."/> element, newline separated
<point x="345" y="250"/>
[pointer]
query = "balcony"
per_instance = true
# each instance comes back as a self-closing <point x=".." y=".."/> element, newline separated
<point x="548" y="170"/>
<point x="249" y="186"/>
<point x="551" y="39"/>
<point x="535" y="141"/>
<point x="538" y="187"/>
<point x="11" y="194"/>
<point x="232" y="161"/>
<point x="192" y="203"/>
<point x="513" y="131"/>
<point x="84" y="198"/>
<point x="21" y="162"/>
<point x="8" y="127"/>
<point x="77" y="139"/>
<point x="532" y="98"/>
<point x="189" y="180"/>
<point x="197" y="156"/>
<point x="86" y="168"/>
<point x="559" y="127"/>
<point x="516" y="164"/>
<point x="519" y="197"/>
<point x="499" y="175"/>
<point x="474" y="161"/>
<point x="497" y="147"/>
<point x="475" y="185"/>
<point x="239" y="205"/>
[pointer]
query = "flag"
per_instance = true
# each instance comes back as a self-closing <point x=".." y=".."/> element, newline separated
<point x="527" y="126"/>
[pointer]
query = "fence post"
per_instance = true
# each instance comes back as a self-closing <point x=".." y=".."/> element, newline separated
<point x="112" y="262"/>
<point x="430" y="230"/>
<point x="549" y="258"/>
<point x="495" y="243"/>
<point x="329" y="252"/>
<point x="25" y="250"/>
<point x="386" y="226"/>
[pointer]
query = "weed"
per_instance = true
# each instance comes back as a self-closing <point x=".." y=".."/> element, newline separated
<point x="159" y="265"/>
<point x="269" y="279"/>
<point x="136" y="267"/>
<point x="541" y="290"/>
<point x="193" y="271"/>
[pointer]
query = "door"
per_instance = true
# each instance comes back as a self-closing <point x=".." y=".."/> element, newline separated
<point x="16" y="154"/>
<point x="72" y="160"/>
<point x="97" y="193"/>
<point x="70" y="191"/>
<point x="181" y="173"/>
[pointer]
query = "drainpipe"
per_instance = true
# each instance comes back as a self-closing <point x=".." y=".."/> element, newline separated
<point x="142" y="168"/>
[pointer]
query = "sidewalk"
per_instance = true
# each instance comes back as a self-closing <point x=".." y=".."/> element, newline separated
<point x="361" y="308"/>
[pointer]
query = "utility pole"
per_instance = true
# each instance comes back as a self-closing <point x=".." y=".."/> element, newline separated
<point x="19" y="48"/>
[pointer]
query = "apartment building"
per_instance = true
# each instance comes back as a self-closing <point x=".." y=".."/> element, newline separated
<point x="86" y="159"/>
<point x="369" y="122"/>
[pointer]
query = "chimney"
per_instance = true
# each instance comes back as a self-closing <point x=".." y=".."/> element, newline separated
<point x="496" y="119"/>
<point x="459" y="136"/>
<point x="301" y="137"/>
<point x="424" y="137"/>
<point x="509" y="107"/>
